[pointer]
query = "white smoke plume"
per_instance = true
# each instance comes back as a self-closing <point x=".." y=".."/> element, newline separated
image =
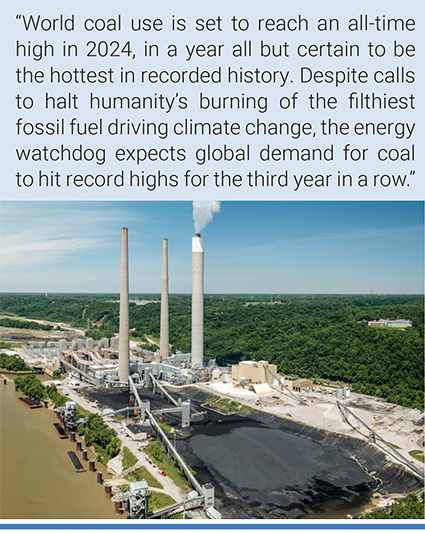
<point x="203" y="213"/>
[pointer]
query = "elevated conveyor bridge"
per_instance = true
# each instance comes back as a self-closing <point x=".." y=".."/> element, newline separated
<point x="283" y="388"/>
<point x="346" y="413"/>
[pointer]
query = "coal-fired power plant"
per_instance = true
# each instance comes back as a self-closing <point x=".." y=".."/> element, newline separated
<point x="164" y="344"/>
<point x="197" y="301"/>
<point x="120" y="363"/>
<point x="124" y="338"/>
<point x="154" y="388"/>
<point x="139" y="369"/>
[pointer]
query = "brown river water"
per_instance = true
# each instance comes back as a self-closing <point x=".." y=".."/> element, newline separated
<point x="37" y="477"/>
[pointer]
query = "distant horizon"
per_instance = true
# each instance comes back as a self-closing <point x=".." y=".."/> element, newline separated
<point x="221" y="293"/>
<point x="250" y="247"/>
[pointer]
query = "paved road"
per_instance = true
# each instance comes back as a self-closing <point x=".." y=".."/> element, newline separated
<point x="169" y="486"/>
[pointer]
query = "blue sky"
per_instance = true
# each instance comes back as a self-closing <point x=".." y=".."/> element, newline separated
<point x="253" y="247"/>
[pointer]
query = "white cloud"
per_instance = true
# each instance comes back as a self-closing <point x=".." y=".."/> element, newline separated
<point x="45" y="233"/>
<point x="30" y="249"/>
<point x="379" y="233"/>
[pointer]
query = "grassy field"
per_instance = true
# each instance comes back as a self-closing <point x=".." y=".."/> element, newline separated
<point x="159" y="500"/>
<point x="228" y="406"/>
<point x="10" y="345"/>
<point x="158" y="455"/>
<point x="165" y="426"/>
<point x="142" y="473"/>
<point x="417" y="454"/>
<point x="81" y="412"/>
<point x="128" y="459"/>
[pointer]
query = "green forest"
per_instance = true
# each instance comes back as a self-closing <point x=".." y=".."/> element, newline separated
<point x="13" y="363"/>
<point x="34" y="388"/>
<point x="24" y="324"/>
<point x="103" y="438"/>
<point x="319" y="337"/>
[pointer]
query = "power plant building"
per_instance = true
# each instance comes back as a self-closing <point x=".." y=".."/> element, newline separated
<point x="254" y="371"/>
<point x="269" y="401"/>
<point x="299" y="384"/>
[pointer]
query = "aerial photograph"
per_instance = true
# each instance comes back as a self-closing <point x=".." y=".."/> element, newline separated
<point x="212" y="360"/>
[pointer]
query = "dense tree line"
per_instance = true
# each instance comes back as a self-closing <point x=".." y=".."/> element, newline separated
<point x="77" y="310"/>
<point x="99" y="333"/>
<point x="24" y="324"/>
<point x="13" y="363"/>
<point x="103" y="438"/>
<point x="96" y="433"/>
<point x="320" y="336"/>
<point x="32" y="387"/>
<point x="57" y="398"/>
<point x="312" y="337"/>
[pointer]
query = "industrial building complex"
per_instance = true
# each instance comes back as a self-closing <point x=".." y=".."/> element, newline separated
<point x="115" y="365"/>
<point x="118" y="365"/>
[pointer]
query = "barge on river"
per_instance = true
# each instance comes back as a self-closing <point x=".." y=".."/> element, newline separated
<point x="60" y="431"/>
<point x="76" y="463"/>
<point x="32" y="404"/>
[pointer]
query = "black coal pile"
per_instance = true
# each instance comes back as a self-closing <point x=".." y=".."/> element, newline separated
<point x="264" y="466"/>
<point x="120" y="398"/>
<point x="272" y="471"/>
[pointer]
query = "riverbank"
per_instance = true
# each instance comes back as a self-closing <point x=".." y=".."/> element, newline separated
<point x="37" y="478"/>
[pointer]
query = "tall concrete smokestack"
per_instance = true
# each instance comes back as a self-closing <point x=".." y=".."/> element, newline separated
<point x="197" y="301"/>
<point x="164" y="343"/>
<point x="124" y="339"/>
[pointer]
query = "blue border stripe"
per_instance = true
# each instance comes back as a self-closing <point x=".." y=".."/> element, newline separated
<point x="140" y="525"/>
